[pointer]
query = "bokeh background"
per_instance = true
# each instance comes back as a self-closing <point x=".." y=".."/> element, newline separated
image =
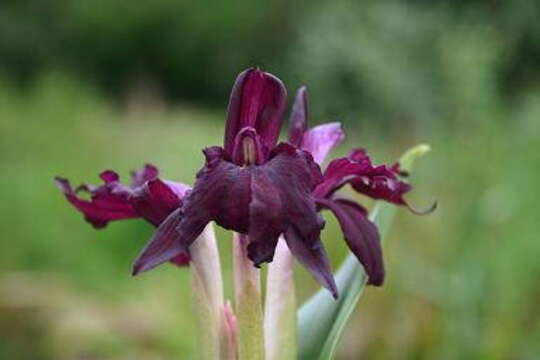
<point x="86" y="86"/>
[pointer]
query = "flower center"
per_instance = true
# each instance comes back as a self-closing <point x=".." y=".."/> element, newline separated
<point x="249" y="152"/>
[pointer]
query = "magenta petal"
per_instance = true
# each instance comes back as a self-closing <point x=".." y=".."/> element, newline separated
<point x="299" y="117"/>
<point x="105" y="205"/>
<point x="361" y="235"/>
<point x="155" y="200"/>
<point x="164" y="245"/>
<point x="258" y="99"/>
<point x="321" y="139"/>
<point x="314" y="258"/>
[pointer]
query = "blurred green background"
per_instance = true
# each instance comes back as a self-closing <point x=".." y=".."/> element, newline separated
<point x="86" y="86"/>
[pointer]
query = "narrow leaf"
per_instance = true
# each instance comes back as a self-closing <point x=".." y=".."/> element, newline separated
<point x="321" y="320"/>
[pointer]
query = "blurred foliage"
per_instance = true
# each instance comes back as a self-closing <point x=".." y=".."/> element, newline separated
<point x="461" y="75"/>
<point x="113" y="42"/>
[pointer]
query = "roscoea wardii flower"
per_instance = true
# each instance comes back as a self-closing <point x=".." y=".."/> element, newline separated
<point x="263" y="189"/>
<point x="147" y="197"/>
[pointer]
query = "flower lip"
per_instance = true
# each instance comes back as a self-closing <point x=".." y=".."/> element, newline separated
<point x="258" y="100"/>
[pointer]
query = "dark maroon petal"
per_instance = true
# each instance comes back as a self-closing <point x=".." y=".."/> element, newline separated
<point x="299" y="117"/>
<point x="321" y="139"/>
<point x="147" y="173"/>
<point x="248" y="149"/>
<point x="361" y="235"/>
<point x="295" y="174"/>
<point x="258" y="100"/>
<point x="105" y="205"/>
<point x="377" y="182"/>
<point x="155" y="200"/>
<point x="313" y="257"/>
<point x="164" y="245"/>
<point x="266" y="217"/>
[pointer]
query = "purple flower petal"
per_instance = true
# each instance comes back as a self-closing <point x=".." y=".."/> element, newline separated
<point x="258" y="100"/>
<point x="377" y="182"/>
<point x="361" y="236"/>
<point x="106" y="202"/>
<point x="313" y="257"/>
<point x="298" y="122"/>
<point x="266" y="218"/>
<point x="321" y="139"/>
<point x="147" y="197"/>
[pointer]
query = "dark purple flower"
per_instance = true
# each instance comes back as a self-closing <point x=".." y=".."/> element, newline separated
<point x="147" y="197"/>
<point x="257" y="187"/>
<point x="251" y="186"/>
<point x="264" y="190"/>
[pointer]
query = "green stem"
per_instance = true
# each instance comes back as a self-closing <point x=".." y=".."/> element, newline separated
<point x="248" y="302"/>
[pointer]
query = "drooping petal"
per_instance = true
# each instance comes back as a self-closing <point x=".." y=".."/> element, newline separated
<point x="163" y="246"/>
<point x="258" y="99"/>
<point x="321" y="139"/>
<point x="299" y="117"/>
<point x="313" y="257"/>
<point x="266" y="218"/>
<point x="106" y="202"/>
<point x="361" y="236"/>
<point x="295" y="175"/>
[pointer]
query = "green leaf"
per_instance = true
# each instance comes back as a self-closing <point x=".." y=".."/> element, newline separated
<point x="321" y="320"/>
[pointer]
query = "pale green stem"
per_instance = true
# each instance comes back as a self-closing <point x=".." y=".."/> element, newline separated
<point x="248" y="303"/>
<point x="280" y="307"/>
<point x="207" y="293"/>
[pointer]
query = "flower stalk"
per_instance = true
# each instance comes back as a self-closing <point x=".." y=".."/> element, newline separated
<point x="248" y="302"/>
<point x="207" y="293"/>
<point x="280" y="306"/>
